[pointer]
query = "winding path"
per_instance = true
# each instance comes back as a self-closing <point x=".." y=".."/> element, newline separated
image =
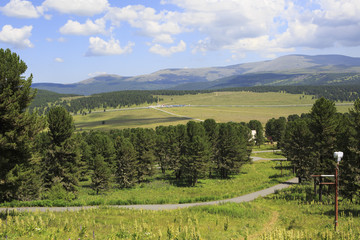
<point x="245" y="198"/>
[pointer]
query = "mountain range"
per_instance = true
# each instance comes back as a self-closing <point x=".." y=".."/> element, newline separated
<point x="285" y="70"/>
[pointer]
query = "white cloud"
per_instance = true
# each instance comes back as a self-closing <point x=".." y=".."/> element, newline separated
<point x="100" y="47"/>
<point x="158" y="49"/>
<point x="332" y="23"/>
<point x="59" y="60"/>
<point x="77" y="7"/>
<point x="18" y="37"/>
<point x="88" y="28"/>
<point x="21" y="9"/>
<point x="159" y="26"/>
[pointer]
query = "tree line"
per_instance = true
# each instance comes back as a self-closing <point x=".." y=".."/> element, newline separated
<point x="310" y="140"/>
<point x="44" y="100"/>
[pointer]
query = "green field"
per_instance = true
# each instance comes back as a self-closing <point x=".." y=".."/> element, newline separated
<point x="221" y="106"/>
<point x="161" y="190"/>
<point x="285" y="215"/>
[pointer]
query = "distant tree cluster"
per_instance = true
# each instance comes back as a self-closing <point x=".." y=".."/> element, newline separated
<point x="45" y="99"/>
<point x="84" y="105"/>
<point x="309" y="142"/>
<point x="340" y="93"/>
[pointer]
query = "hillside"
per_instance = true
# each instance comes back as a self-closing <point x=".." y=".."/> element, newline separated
<point x="286" y="70"/>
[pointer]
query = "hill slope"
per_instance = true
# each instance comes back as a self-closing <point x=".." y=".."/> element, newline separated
<point x="286" y="70"/>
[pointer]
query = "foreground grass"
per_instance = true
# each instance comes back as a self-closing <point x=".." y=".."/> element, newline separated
<point x="253" y="177"/>
<point x="289" y="214"/>
<point x="303" y="217"/>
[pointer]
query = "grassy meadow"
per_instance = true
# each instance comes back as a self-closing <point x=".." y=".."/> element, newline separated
<point x="161" y="190"/>
<point x="289" y="214"/>
<point x="221" y="106"/>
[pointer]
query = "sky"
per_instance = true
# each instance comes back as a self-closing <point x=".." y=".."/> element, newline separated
<point x="67" y="41"/>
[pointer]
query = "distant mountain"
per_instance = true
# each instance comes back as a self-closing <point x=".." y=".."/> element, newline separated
<point x="286" y="70"/>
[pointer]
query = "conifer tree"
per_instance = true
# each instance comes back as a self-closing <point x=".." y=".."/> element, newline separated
<point x="212" y="133"/>
<point x="62" y="157"/>
<point x="195" y="161"/>
<point x="323" y="125"/>
<point x="126" y="163"/>
<point x="101" y="178"/>
<point x="144" y="144"/>
<point x="17" y="129"/>
<point x="350" y="166"/>
<point x="232" y="149"/>
<point x="297" y="145"/>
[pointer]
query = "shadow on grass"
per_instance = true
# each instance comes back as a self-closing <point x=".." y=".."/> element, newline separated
<point x="126" y="121"/>
<point x="345" y="213"/>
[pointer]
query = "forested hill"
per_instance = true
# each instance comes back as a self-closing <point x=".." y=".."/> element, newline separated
<point x="85" y="104"/>
<point x="286" y="70"/>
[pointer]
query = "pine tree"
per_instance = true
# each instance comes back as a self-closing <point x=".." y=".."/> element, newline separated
<point x="323" y="125"/>
<point x="232" y="149"/>
<point x="163" y="147"/>
<point x="297" y="145"/>
<point x="101" y="178"/>
<point x="62" y="157"/>
<point x="212" y="133"/>
<point x="144" y="144"/>
<point x="61" y="125"/>
<point x="102" y="144"/>
<point x="350" y="166"/>
<point x="195" y="161"/>
<point x="126" y="163"/>
<point x="18" y="127"/>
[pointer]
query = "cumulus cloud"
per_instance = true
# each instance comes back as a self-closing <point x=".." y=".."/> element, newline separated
<point x="18" y="37"/>
<point x="332" y="23"/>
<point x="88" y="28"/>
<point x="100" y="47"/>
<point x="21" y="9"/>
<point x="59" y="60"/>
<point x="77" y="7"/>
<point x="159" y="26"/>
<point x="158" y="49"/>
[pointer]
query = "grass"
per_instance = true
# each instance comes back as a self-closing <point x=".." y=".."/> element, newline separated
<point x="268" y="155"/>
<point x="228" y="221"/>
<point x="147" y="118"/>
<point x="238" y="98"/>
<point x="288" y="214"/>
<point x="303" y="217"/>
<point x="253" y="177"/>
<point x="264" y="147"/>
<point x="221" y="106"/>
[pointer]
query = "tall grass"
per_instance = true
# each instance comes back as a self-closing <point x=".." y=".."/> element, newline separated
<point x="289" y="214"/>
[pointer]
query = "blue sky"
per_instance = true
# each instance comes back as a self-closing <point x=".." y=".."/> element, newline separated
<point x="66" y="41"/>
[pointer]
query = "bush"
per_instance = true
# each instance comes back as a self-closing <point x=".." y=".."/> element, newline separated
<point x="58" y="192"/>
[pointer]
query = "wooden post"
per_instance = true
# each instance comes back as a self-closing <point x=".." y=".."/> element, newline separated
<point x="315" y="182"/>
<point x="320" y="189"/>
<point x="336" y="195"/>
